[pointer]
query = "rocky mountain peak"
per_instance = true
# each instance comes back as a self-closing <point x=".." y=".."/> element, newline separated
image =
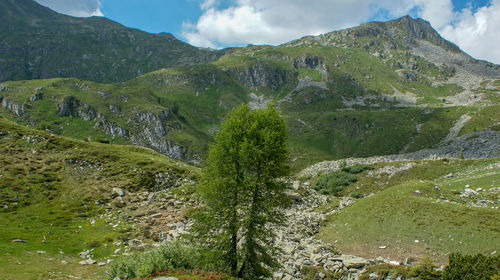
<point x="422" y="29"/>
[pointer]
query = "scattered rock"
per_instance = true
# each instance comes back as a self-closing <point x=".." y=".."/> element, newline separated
<point x="117" y="192"/>
<point x="87" y="262"/>
<point x="18" y="240"/>
<point x="353" y="261"/>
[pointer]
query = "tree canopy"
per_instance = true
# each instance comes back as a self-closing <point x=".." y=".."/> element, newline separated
<point x="242" y="191"/>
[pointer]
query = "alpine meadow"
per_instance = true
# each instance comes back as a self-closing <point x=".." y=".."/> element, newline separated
<point x="366" y="153"/>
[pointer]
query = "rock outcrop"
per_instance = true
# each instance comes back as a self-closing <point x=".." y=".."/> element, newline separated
<point x="261" y="75"/>
<point x="16" y="108"/>
<point x="71" y="106"/>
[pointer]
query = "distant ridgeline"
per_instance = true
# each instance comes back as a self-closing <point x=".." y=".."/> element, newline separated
<point x="377" y="89"/>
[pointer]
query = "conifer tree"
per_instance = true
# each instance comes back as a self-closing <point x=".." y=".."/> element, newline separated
<point x="241" y="191"/>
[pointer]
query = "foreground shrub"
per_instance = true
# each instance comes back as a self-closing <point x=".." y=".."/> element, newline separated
<point x="472" y="267"/>
<point x="166" y="257"/>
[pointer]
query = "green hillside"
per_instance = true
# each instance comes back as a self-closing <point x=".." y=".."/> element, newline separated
<point x="56" y="200"/>
<point x="376" y="89"/>
<point x="418" y="208"/>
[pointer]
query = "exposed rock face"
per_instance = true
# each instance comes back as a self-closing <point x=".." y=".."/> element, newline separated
<point x="17" y="109"/>
<point x="150" y="131"/>
<point x="261" y="75"/>
<point x="312" y="62"/>
<point x="70" y="106"/>
<point x="421" y="29"/>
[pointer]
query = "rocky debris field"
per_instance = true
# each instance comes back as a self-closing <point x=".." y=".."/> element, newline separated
<point x="300" y="246"/>
<point x="481" y="144"/>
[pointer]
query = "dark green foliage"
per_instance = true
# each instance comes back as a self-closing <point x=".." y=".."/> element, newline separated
<point x="425" y="270"/>
<point x="472" y="267"/>
<point x="357" y="168"/>
<point x="242" y="193"/>
<point x="334" y="182"/>
<point x="356" y="195"/>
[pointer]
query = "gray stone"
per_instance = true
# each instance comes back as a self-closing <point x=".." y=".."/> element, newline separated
<point x="118" y="192"/>
<point x="354" y="262"/>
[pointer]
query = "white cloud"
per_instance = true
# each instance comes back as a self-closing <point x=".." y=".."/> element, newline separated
<point x="477" y="33"/>
<point x="278" y="21"/>
<point x="77" y="8"/>
<point x="207" y="4"/>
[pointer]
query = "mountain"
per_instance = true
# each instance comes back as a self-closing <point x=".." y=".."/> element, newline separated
<point x="38" y="43"/>
<point x="377" y="89"/>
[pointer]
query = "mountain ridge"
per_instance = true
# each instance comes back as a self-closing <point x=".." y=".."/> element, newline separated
<point x="40" y="43"/>
<point x="345" y="93"/>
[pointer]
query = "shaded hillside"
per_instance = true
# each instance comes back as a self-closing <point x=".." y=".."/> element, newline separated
<point x="38" y="43"/>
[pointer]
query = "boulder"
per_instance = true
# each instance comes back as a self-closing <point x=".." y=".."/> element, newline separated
<point x="353" y="261"/>
<point x="117" y="192"/>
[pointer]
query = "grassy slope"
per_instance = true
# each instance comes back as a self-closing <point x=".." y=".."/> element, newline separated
<point x="407" y="207"/>
<point x="48" y="191"/>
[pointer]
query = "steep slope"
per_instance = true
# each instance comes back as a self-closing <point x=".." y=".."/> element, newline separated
<point x="38" y="43"/>
<point x="377" y="89"/>
<point x="60" y="197"/>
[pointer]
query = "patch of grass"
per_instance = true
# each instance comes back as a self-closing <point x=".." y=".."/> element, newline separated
<point x="416" y="204"/>
<point x="312" y="74"/>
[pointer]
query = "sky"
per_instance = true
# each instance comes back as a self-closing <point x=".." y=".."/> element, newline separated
<point x="474" y="25"/>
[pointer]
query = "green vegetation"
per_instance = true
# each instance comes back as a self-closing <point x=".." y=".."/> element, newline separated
<point x="50" y="189"/>
<point x="459" y="267"/>
<point x="166" y="257"/>
<point x="171" y="259"/>
<point x="472" y="267"/>
<point x="241" y="192"/>
<point x="335" y="181"/>
<point x="410" y="210"/>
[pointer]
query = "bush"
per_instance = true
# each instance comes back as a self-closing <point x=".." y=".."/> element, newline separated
<point x="167" y="257"/>
<point x="356" y="195"/>
<point x="425" y="270"/>
<point x="472" y="267"/>
<point x="334" y="182"/>
<point x="357" y="168"/>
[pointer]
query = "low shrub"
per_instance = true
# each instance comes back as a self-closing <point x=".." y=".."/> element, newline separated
<point x="333" y="182"/>
<point x="472" y="267"/>
<point x="357" y="168"/>
<point x="166" y="257"/>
